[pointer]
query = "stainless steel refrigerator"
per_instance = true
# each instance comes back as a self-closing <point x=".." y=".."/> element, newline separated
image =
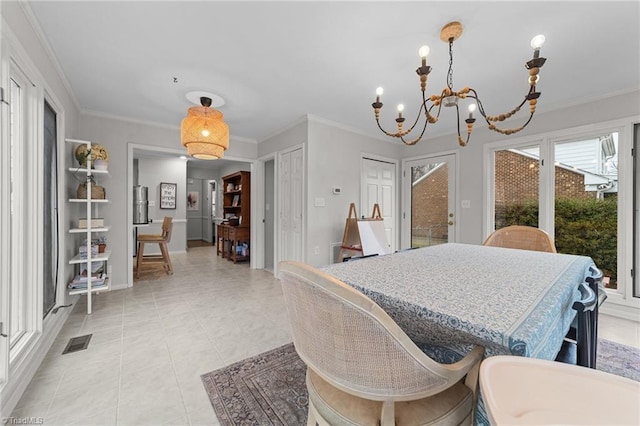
<point x="140" y="205"/>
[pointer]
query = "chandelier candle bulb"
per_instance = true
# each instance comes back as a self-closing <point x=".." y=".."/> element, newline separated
<point x="472" y="108"/>
<point x="379" y="92"/>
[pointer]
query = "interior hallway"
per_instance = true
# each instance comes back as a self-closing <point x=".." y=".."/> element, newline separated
<point x="152" y="342"/>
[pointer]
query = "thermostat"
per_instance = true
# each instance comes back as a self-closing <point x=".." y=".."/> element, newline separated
<point x="336" y="190"/>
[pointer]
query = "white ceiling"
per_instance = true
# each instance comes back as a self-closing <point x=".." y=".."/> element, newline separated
<point x="274" y="62"/>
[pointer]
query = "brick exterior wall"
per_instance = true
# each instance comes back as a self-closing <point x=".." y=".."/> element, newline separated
<point x="430" y="206"/>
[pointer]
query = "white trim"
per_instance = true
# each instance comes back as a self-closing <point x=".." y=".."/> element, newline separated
<point x="21" y="376"/>
<point x="35" y="25"/>
<point x="258" y="206"/>
<point x="131" y="147"/>
<point x="377" y="136"/>
<point x="396" y="196"/>
<point x="405" y="240"/>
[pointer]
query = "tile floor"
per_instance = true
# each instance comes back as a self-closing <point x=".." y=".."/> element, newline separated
<point x="152" y="342"/>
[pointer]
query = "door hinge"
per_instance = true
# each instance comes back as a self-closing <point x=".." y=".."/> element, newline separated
<point x="1" y="333"/>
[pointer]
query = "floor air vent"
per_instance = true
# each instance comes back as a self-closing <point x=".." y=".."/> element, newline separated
<point x="77" y="344"/>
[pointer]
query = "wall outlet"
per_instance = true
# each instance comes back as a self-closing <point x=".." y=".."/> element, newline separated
<point x="316" y="250"/>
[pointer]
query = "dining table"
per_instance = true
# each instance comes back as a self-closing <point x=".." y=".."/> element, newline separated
<point x="449" y="297"/>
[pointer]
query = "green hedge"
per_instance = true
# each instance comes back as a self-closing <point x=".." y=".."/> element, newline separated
<point x="583" y="226"/>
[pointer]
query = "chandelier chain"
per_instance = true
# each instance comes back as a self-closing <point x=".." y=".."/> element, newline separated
<point x="450" y="73"/>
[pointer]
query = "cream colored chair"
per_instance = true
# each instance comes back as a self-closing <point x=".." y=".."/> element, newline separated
<point x="526" y="391"/>
<point x="362" y="368"/>
<point x="521" y="237"/>
<point x="162" y="240"/>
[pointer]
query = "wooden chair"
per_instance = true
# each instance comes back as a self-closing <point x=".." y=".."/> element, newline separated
<point x="362" y="369"/>
<point x="521" y="237"/>
<point x="162" y="240"/>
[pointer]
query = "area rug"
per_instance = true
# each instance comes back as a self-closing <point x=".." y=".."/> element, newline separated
<point x="269" y="389"/>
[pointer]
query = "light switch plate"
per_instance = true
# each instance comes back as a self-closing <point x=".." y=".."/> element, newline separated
<point x="319" y="202"/>
<point x="466" y="204"/>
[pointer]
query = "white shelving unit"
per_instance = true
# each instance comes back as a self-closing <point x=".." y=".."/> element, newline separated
<point x="90" y="174"/>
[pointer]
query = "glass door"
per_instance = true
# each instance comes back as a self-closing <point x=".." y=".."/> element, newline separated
<point x="429" y="216"/>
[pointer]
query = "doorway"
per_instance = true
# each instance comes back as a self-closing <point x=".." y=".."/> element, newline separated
<point x="429" y="194"/>
<point x="378" y="186"/>
<point x="269" y="224"/>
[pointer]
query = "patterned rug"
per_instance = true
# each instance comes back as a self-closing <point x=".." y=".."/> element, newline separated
<point x="269" y="389"/>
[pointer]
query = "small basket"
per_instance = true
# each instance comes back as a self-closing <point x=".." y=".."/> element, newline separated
<point x="97" y="192"/>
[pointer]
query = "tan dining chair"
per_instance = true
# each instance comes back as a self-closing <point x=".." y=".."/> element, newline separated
<point x="162" y="240"/>
<point x="521" y="237"/>
<point x="362" y="369"/>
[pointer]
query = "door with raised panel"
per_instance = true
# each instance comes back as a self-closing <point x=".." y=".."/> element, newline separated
<point x="379" y="187"/>
<point x="290" y="192"/>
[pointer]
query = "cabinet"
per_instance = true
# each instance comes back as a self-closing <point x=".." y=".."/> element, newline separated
<point x="92" y="228"/>
<point x="236" y="198"/>
<point x="234" y="233"/>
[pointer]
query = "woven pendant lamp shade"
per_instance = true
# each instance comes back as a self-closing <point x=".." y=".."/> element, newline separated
<point x="201" y="145"/>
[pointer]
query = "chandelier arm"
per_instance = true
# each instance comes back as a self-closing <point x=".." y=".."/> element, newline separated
<point x="424" y="128"/>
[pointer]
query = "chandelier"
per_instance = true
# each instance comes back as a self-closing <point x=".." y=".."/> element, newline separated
<point x="203" y="132"/>
<point x="432" y="106"/>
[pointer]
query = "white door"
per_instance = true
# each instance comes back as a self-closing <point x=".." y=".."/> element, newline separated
<point x="379" y="187"/>
<point x="429" y="194"/>
<point x="290" y="191"/>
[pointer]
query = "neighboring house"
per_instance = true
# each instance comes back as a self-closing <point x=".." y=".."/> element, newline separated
<point x="591" y="174"/>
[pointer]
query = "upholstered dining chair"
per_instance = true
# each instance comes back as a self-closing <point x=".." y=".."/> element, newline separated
<point x="362" y="369"/>
<point x="162" y="240"/>
<point x="521" y="237"/>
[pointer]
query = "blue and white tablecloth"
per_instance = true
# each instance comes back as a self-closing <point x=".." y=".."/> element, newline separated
<point x="450" y="297"/>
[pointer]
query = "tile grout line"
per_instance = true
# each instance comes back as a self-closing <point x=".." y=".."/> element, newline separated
<point x="121" y="360"/>
<point x="173" y="365"/>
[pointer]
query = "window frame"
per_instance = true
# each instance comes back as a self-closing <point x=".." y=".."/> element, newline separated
<point x="627" y="304"/>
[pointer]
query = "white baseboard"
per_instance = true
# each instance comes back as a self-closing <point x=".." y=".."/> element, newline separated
<point x="20" y="378"/>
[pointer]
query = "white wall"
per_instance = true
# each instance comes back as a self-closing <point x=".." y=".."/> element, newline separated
<point x="334" y="157"/>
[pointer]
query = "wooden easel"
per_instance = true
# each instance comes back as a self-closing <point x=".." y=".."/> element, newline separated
<point x="351" y="241"/>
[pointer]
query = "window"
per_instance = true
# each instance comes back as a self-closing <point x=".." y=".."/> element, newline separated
<point x="578" y="186"/>
<point x="50" y="211"/>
